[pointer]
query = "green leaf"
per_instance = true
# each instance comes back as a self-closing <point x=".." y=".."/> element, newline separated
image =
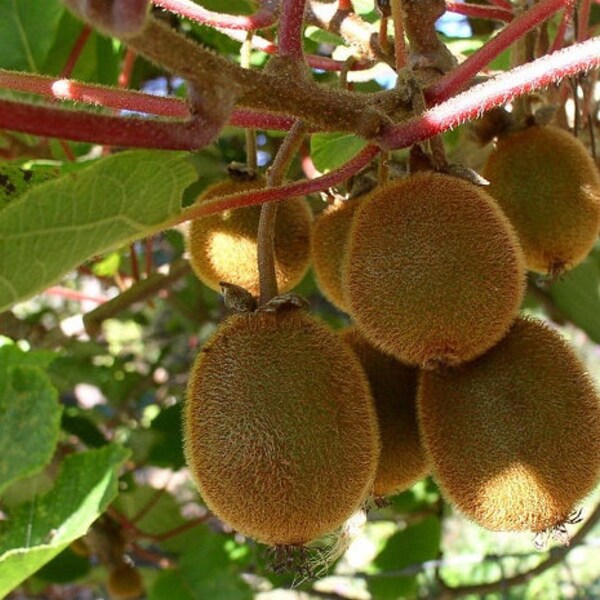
<point x="57" y="225"/>
<point x="415" y="544"/>
<point x="206" y="570"/>
<point x="27" y="31"/>
<point x="331" y="150"/>
<point x="15" y="181"/>
<point x="29" y="416"/>
<point x="577" y="295"/>
<point x="36" y="532"/>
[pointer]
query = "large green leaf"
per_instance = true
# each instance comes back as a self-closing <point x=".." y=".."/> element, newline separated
<point x="27" y="31"/>
<point x="415" y="544"/>
<point x="29" y="414"/>
<point x="331" y="150"/>
<point x="205" y="570"/>
<point x="577" y="295"/>
<point x="57" y="225"/>
<point x="36" y="532"/>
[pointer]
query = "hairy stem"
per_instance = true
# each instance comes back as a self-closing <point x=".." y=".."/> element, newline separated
<point x="473" y="103"/>
<point x="460" y="77"/>
<point x="399" y="43"/>
<point x="290" y="29"/>
<point x="265" y="16"/>
<point x="268" y="214"/>
<point x="76" y="51"/>
<point x="480" y="11"/>
<point x="565" y="22"/>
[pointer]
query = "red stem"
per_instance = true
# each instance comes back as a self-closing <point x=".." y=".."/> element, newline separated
<point x="459" y="78"/>
<point x="583" y="20"/>
<point x="565" y="21"/>
<point x="76" y="51"/>
<point x="502" y="4"/>
<point x="135" y="267"/>
<point x="65" y="89"/>
<point x="74" y="295"/>
<point x="474" y="102"/>
<point x="479" y="11"/>
<point x="264" y="17"/>
<point x="107" y="130"/>
<point x="127" y="69"/>
<point x="345" y="5"/>
<point x="299" y="188"/>
<point x="290" y="28"/>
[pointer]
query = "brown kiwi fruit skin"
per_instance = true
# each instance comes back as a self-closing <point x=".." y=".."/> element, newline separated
<point x="394" y="387"/>
<point x="549" y="187"/>
<point x="124" y="582"/>
<point x="223" y="246"/>
<point x="514" y="436"/>
<point x="280" y="428"/>
<point x="328" y="245"/>
<point x="434" y="273"/>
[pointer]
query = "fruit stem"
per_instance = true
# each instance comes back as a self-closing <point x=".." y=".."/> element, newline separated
<point x="250" y="134"/>
<point x="479" y="11"/>
<point x="459" y="77"/>
<point x="268" y="214"/>
<point x="399" y="42"/>
<point x="265" y="16"/>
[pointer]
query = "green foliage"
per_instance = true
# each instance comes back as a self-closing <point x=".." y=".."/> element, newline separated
<point x="37" y="531"/>
<point x="29" y="414"/>
<point x="331" y="150"/>
<point x="27" y="31"/>
<point x="61" y="223"/>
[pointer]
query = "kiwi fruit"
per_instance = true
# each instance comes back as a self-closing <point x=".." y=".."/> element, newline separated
<point x="280" y="429"/>
<point x="328" y="245"/>
<point x="394" y="388"/>
<point x="223" y="246"/>
<point x="549" y="187"/>
<point x="514" y="436"/>
<point x="124" y="582"/>
<point x="434" y="273"/>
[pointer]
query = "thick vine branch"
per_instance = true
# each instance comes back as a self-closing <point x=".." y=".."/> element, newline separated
<point x="290" y="29"/>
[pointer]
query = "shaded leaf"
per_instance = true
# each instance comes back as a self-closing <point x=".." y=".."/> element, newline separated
<point x="57" y="225"/>
<point x="15" y="181"/>
<point x="29" y="415"/>
<point x="34" y="533"/>
<point x="27" y="31"/>
<point x="331" y="150"/>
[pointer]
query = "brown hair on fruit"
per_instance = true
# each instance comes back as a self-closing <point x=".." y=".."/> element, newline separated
<point x="328" y="246"/>
<point x="433" y="273"/>
<point x="124" y="582"/>
<point x="280" y="429"/>
<point x="223" y="246"/>
<point x="514" y="436"/>
<point x="394" y="387"/>
<point x="549" y="187"/>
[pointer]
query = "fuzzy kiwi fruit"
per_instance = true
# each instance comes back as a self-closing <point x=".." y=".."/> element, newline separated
<point x="514" y="436"/>
<point x="394" y="388"/>
<point x="223" y="246"/>
<point x="329" y="240"/>
<point x="280" y="428"/>
<point x="433" y="273"/>
<point x="549" y="187"/>
<point x="124" y="582"/>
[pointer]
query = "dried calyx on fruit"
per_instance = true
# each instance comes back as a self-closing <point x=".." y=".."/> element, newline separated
<point x="124" y="582"/>
<point x="280" y="429"/>
<point x="549" y="187"/>
<point x="514" y="436"/>
<point x="223" y="246"/>
<point x="394" y="388"/>
<point x="434" y="273"/>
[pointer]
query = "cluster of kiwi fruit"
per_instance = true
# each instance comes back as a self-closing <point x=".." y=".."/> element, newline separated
<point x="291" y="428"/>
